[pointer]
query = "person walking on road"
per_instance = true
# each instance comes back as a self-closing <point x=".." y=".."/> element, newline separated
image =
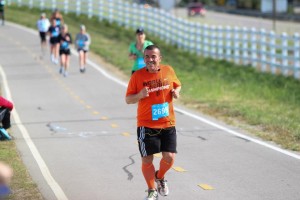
<point x="54" y="41"/>
<point x="65" y="40"/>
<point x="43" y="25"/>
<point x="136" y="50"/>
<point x="2" y="4"/>
<point x="154" y="88"/>
<point x="5" y="108"/>
<point x="82" y="43"/>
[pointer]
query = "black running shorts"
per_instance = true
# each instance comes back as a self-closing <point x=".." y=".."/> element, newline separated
<point x="64" y="51"/>
<point x="152" y="141"/>
<point x="43" y="36"/>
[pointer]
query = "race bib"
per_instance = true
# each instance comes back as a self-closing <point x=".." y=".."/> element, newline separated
<point x="80" y="43"/>
<point x="55" y="33"/>
<point x="64" y="45"/>
<point x="160" y="111"/>
<point x="141" y="63"/>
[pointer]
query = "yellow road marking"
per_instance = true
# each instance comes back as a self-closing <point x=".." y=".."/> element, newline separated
<point x="206" y="187"/>
<point x="126" y="134"/>
<point x="114" y="125"/>
<point x="88" y="106"/>
<point x="95" y="112"/>
<point x="104" y="118"/>
<point x="179" y="169"/>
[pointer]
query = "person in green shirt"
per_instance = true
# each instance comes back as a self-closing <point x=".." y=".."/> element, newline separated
<point x="136" y="50"/>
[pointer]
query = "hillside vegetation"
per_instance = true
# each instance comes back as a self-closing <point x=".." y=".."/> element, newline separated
<point x="267" y="106"/>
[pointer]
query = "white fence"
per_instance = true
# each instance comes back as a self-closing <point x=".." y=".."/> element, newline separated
<point x="278" y="54"/>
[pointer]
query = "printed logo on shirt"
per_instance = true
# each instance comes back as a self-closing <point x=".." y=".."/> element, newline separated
<point x="157" y="85"/>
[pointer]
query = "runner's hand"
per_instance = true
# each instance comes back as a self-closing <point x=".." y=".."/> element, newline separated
<point x="175" y="93"/>
<point x="144" y="92"/>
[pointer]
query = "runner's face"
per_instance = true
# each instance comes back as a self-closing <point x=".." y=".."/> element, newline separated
<point x="152" y="59"/>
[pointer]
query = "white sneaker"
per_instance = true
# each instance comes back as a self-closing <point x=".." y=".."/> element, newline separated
<point x="152" y="195"/>
<point x="65" y="73"/>
<point x="162" y="186"/>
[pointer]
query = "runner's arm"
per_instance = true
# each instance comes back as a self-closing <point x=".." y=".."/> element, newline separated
<point x="134" y="98"/>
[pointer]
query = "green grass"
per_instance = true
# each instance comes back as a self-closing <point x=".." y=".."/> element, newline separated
<point x="266" y="105"/>
<point x="21" y="185"/>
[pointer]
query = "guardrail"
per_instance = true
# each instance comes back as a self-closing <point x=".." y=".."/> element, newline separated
<point x="267" y="51"/>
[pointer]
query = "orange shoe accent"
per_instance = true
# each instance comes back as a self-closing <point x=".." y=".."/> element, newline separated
<point x="149" y="174"/>
<point x="163" y="168"/>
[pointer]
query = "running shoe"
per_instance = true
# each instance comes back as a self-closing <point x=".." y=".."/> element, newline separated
<point x="65" y="74"/>
<point x="82" y="70"/>
<point x="162" y="186"/>
<point x="61" y="70"/>
<point x="152" y="195"/>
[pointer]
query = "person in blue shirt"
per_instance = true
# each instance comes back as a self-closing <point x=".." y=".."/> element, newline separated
<point x="65" y="40"/>
<point x="54" y="41"/>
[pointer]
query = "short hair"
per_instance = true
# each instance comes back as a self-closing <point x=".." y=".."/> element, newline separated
<point x="82" y="27"/>
<point x="152" y="47"/>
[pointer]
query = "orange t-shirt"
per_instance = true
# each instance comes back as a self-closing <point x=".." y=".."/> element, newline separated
<point x="159" y="86"/>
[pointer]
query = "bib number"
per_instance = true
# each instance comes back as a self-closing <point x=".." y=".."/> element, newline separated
<point x="141" y="63"/>
<point x="80" y="43"/>
<point x="64" y="45"/>
<point x="160" y="111"/>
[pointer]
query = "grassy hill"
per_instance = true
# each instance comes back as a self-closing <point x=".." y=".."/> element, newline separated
<point x="267" y="106"/>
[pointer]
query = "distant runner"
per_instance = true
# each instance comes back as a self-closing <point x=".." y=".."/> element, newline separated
<point x="65" y="40"/>
<point x="54" y="41"/>
<point x="82" y="43"/>
<point x="43" y="25"/>
<point x="136" y="50"/>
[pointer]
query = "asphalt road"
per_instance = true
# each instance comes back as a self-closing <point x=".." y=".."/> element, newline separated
<point x="232" y="20"/>
<point x="77" y="137"/>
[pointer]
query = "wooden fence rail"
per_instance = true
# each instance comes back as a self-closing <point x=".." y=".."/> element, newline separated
<point x="270" y="52"/>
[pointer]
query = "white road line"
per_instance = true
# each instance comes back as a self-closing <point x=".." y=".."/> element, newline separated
<point x="107" y="75"/>
<point x="58" y="192"/>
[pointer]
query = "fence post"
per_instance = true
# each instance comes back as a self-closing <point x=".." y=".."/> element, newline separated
<point x="30" y="4"/>
<point x="253" y="47"/>
<point x="78" y="7"/>
<point x="42" y="4"/>
<point x="198" y="39"/>
<point x="205" y="40"/>
<point x="220" y="42"/>
<point x="273" y="52"/>
<point x="284" y="54"/>
<point x="213" y="41"/>
<point x="66" y="6"/>
<point x="263" y="50"/>
<point x="228" y="43"/>
<point x="53" y="4"/>
<point x="297" y="55"/>
<point x="100" y="8"/>
<point x="245" y="46"/>
<point x="126" y="10"/>
<point x="90" y="9"/>
<point x="236" y="44"/>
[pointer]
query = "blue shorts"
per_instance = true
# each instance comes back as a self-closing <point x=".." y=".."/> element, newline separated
<point x="152" y="141"/>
